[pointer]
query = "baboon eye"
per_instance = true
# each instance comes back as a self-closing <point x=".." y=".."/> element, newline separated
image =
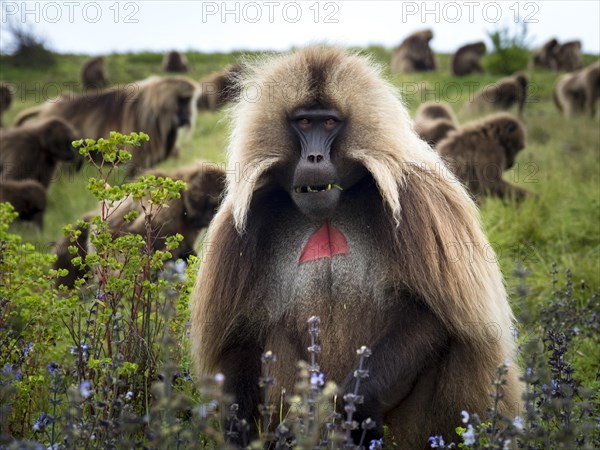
<point x="330" y="124"/>
<point x="304" y="123"/>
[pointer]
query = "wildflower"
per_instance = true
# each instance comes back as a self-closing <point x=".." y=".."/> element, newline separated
<point x="52" y="447"/>
<point x="469" y="435"/>
<point x="128" y="395"/>
<point x="576" y="329"/>
<point x="27" y="350"/>
<point x="51" y="368"/>
<point x="376" y="444"/>
<point x="465" y="416"/>
<point x="7" y="368"/>
<point x="85" y="389"/>
<point x="518" y="423"/>
<point x="506" y="445"/>
<point x="436" y="441"/>
<point x="317" y="379"/>
<point x="42" y="422"/>
<point x="529" y="372"/>
<point x="220" y="378"/>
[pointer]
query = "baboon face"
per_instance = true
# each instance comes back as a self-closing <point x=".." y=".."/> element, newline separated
<point x="203" y="196"/>
<point x="57" y="139"/>
<point x="179" y="106"/>
<point x="316" y="179"/>
<point x="184" y="111"/>
<point x="513" y="140"/>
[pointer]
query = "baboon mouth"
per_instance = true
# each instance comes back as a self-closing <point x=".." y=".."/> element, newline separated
<point x="317" y="188"/>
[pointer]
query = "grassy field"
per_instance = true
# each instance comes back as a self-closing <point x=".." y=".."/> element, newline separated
<point x="560" y="163"/>
<point x="558" y="226"/>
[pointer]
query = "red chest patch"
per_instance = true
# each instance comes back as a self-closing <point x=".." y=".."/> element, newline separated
<point x="326" y="242"/>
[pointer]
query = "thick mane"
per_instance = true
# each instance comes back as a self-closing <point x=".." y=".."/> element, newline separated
<point x="343" y="75"/>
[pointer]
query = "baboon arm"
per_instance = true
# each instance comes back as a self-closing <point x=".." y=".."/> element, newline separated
<point x="417" y="339"/>
<point x="505" y="190"/>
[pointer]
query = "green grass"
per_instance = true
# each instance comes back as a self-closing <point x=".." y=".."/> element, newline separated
<point x="560" y="163"/>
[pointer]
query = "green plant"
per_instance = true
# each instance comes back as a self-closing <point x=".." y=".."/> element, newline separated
<point x="510" y="52"/>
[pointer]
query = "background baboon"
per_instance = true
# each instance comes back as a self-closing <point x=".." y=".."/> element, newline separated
<point x="34" y="150"/>
<point x="28" y="197"/>
<point x="568" y="56"/>
<point x="175" y="62"/>
<point x="501" y="95"/>
<point x="433" y="122"/>
<point x="414" y="54"/>
<point x="543" y="57"/>
<point x="578" y="92"/>
<point x="370" y="258"/>
<point x="219" y="88"/>
<point x="93" y="74"/>
<point x="5" y="99"/>
<point x="480" y="152"/>
<point x="466" y="59"/>
<point x="186" y="216"/>
<point x="156" y="106"/>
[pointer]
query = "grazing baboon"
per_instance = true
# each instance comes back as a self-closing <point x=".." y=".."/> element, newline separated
<point x="28" y="197"/>
<point x="186" y="215"/>
<point x="175" y="62"/>
<point x="501" y="95"/>
<point x="577" y="92"/>
<point x="414" y="54"/>
<point x="543" y="58"/>
<point x="466" y="59"/>
<point x="5" y="99"/>
<point x="433" y="122"/>
<point x="481" y="151"/>
<point x="219" y="88"/>
<point x="33" y="151"/>
<point x="93" y="74"/>
<point x="568" y="56"/>
<point x="157" y="106"/>
<point x="349" y="216"/>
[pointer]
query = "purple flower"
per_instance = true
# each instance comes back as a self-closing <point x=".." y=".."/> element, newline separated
<point x="465" y="416"/>
<point x="376" y="444"/>
<point x="27" y="350"/>
<point x="469" y="435"/>
<point x="518" y="423"/>
<point x="85" y="389"/>
<point x="436" y="441"/>
<point x="51" y="368"/>
<point x="42" y="422"/>
<point x="317" y="379"/>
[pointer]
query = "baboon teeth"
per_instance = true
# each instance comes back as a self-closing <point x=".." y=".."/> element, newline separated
<point x="320" y="188"/>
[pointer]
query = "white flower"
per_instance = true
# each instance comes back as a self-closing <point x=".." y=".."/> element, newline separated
<point x="220" y="378"/>
<point x="469" y="436"/>
<point x="518" y="423"/>
<point x="465" y="416"/>
<point x="506" y="445"/>
<point x="85" y="389"/>
<point x="129" y="395"/>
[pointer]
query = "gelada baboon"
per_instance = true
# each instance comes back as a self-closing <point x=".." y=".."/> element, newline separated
<point x="433" y="122"/>
<point x="157" y="106"/>
<point x="93" y="74"/>
<point x="5" y="99"/>
<point x="186" y="215"/>
<point x="466" y="59"/>
<point x="414" y="54"/>
<point x="543" y="57"/>
<point x="28" y="197"/>
<point x="33" y="151"/>
<point x="219" y="88"/>
<point x="577" y="92"/>
<point x="481" y="151"/>
<point x="501" y="95"/>
<point x="348" y="215"/>
<point x="175" y="62"/>
<point x="568" y="56"/>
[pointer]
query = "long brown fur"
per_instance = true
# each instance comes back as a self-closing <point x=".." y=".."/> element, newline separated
<point x="578" y="92"/>
<point x="414" y="54"/>
<point x="6" y="97"/>
<point x="466" y="60"/>
<point x="568" y="56"/>
<point x="428" y="270"/>
<point x="150" y="105"/>
<point x="219" y="88"/>
<point x="187" y="215"/>
<point x="175" y="62"/>
<point x="481" y="151"/>
<point x="33" y="151"/>
<point x="28" y="197"/>
<point x="93" y="73"/>
<point x="502" y="95"/>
